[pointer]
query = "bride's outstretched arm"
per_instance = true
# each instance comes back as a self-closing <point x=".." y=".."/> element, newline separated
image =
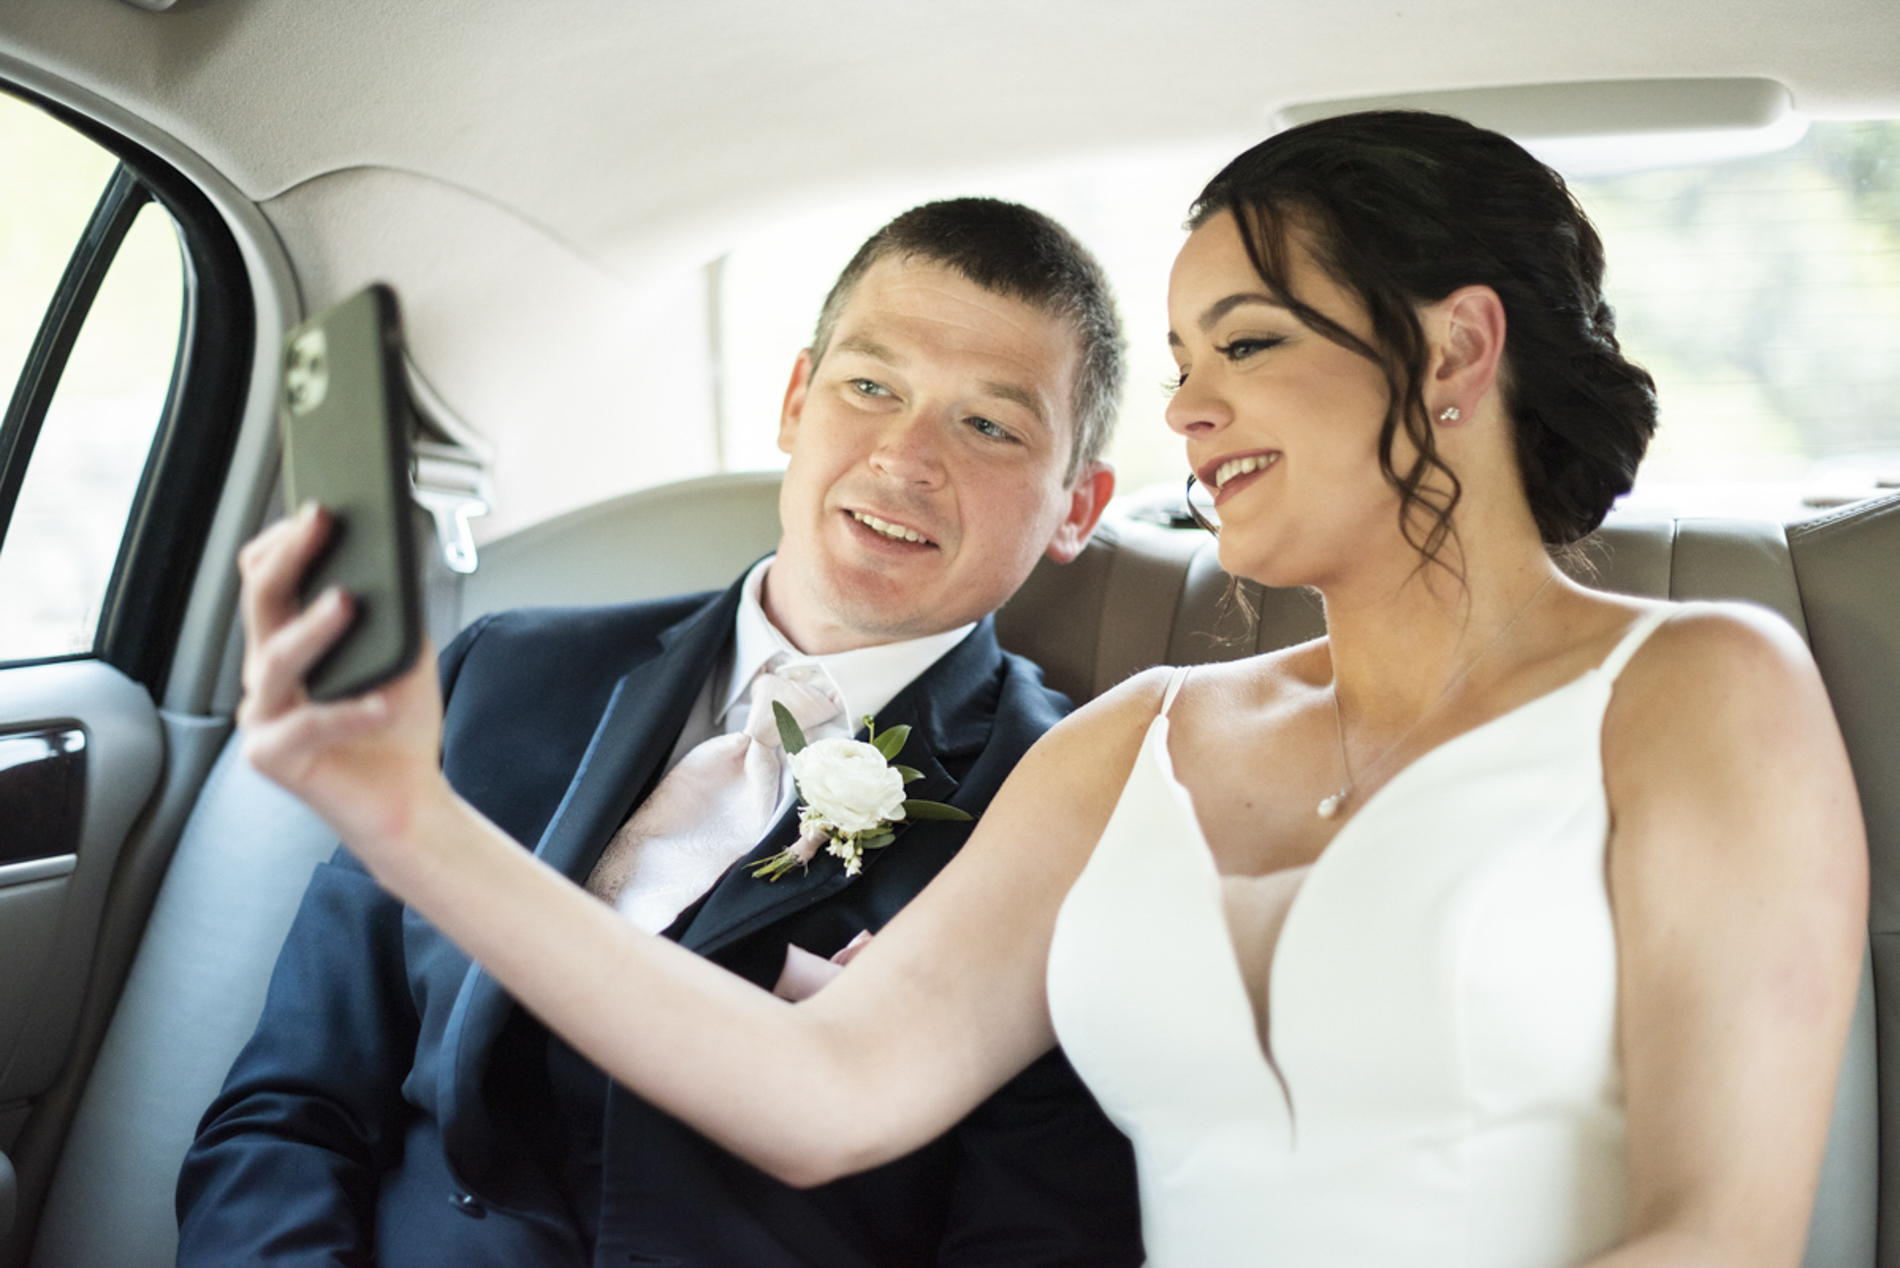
<point x="1738" y="875"/>
<point x="941" y="1009"/>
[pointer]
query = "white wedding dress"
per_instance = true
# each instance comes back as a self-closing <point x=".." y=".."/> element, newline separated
<point x="1443" y="1086"/>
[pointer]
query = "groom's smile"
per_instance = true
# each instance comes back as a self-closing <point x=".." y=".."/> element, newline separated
<point x="930" y="449"/>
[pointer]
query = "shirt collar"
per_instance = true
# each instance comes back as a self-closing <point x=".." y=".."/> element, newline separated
<point x="866" y="677"/>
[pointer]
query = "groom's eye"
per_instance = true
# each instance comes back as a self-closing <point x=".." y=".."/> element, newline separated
<point x="993" y="430"/>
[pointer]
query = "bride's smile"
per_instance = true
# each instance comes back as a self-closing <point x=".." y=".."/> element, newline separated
<point x="1282" y="423"/>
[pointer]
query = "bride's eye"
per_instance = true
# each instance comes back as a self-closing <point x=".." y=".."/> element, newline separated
<point x="1174" y="383"/>
<point x="1241" y="349"/>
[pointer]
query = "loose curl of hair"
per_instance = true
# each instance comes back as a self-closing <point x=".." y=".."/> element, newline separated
<point x="1402" y="208"/>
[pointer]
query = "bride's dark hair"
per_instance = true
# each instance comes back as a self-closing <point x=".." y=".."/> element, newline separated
<point x="1402" y="208"/>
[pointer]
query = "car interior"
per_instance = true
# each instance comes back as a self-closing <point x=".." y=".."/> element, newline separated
<point x="576" y="205"/>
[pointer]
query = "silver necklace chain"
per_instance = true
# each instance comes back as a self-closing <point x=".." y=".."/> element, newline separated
<point x="1329" y="806"/>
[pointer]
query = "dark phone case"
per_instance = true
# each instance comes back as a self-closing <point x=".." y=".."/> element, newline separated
<point x="345" y="419"/>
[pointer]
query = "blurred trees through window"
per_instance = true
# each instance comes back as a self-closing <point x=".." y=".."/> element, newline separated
<point x="1764" y="295"/>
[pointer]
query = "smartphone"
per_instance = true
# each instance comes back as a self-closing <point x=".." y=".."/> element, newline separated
<point x="344" y="415"/>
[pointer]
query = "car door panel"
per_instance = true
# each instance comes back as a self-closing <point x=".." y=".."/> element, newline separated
<point x="105" y="727"/>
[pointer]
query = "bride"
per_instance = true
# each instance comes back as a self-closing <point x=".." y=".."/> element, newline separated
<point x="1510" y="923"/>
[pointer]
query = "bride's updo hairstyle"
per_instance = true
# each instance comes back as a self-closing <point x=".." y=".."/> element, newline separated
<point x="1402" y="208"/>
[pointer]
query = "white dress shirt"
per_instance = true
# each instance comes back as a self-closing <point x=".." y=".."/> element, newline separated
<point x="865" y="678"/>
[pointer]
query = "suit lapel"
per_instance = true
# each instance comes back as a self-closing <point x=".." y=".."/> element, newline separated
<point x="949" y="709"/>
<point x="632" y="740"/>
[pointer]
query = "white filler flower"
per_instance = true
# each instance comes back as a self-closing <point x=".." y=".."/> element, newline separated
<point x="848" y="785"/>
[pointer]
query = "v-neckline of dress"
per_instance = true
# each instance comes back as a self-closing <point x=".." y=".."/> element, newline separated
<point x="1157" y="739"/>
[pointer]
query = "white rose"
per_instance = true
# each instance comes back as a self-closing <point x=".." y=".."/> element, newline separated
<point x="848" y="784"/>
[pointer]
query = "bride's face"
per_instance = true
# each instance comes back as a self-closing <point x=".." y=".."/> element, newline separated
<point x="1281" y="423"/>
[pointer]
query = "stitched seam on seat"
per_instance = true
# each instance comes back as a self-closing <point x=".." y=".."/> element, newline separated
<point x="1824" y="525"/>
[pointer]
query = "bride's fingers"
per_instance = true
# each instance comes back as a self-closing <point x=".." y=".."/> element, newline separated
<point x="275" y="665"/>
<point x="271" y="566"/>
<point x="278" y="746"/>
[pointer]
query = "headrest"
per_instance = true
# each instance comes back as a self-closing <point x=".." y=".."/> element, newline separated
<point x="1140" y="594"/>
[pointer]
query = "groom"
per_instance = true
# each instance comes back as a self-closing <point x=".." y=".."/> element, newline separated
<point x="396" y="1107"/>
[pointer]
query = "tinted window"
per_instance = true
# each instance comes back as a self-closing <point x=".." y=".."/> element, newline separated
<point x="1764" y="295"/>
<point x="71" y="460"/>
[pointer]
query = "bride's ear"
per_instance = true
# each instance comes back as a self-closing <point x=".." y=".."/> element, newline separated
<point x="1466" y="332"/>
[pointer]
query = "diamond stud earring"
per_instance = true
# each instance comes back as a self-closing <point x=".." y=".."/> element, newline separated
<point x="1450" y="414"/>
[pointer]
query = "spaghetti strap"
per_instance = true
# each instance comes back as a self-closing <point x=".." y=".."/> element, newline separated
<point x="1641" y="628"/>
<point x="1175" y="680"/>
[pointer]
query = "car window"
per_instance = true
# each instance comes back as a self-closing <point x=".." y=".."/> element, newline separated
<point x="53" y="178"/>
<point x="1764" y="295"/>
<point x="94" y="289"/>
<point x="1762" y="292"/>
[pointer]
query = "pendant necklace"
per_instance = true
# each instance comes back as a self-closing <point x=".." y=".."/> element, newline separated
<point x="1329" y="806"/>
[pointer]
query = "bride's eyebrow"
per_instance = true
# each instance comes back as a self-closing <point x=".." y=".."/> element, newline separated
<point x="1221" y="307"/>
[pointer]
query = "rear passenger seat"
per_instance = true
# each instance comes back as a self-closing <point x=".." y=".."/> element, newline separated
<point x="1140" y="595"/>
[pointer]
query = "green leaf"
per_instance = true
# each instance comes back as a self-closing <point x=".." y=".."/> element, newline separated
<point x="933" y="810"/>
<point x="891" y="742"/>
<point x="908" y="775"/>
<point x="789" y="733"/>
<point x="877" y="842"/>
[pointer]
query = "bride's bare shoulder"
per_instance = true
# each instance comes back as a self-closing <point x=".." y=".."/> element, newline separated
<point x="1110" y="728"/>
<point x="1062" y="792"/>
<point x="1253" y="686"/>
<point x="1114" y="720"/>
<point x="1085" y="757"/>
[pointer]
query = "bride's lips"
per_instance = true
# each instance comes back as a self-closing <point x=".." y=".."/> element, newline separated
<point x="1234" y="471"/>
<point x="885" y="531"/>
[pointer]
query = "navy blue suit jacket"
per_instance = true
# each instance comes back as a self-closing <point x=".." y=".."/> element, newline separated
<point x="395" y="1104"/>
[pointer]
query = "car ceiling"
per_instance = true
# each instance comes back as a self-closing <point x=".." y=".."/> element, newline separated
<point x="611" y="123"/>
<point x="558" y="156"/>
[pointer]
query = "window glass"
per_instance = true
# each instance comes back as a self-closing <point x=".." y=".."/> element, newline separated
<point x="50" y="177"/>
<point x="1764" y="295"/>
<point x="57" y="558"/>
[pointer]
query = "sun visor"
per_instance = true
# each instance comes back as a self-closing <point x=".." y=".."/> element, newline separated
<point x="1608" y="127"/>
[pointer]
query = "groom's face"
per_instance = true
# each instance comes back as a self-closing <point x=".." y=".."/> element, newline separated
<point x="929" y="455"/>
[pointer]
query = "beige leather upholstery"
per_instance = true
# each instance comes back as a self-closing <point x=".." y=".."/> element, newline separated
<point x="1848" y="569"/>
<point x="671" y="540"/>
<point x="1144" y="595"/>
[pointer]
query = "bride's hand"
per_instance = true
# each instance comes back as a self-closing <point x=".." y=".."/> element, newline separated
<point x="364" y="764"/>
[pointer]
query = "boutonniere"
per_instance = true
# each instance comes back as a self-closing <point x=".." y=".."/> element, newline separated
<point x="850" y="796"/>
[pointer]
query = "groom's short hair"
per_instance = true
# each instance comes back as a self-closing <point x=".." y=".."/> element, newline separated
<point x="1011" y="250"/>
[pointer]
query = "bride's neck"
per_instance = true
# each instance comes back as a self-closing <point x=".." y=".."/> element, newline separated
<point x="1401" y="636"/>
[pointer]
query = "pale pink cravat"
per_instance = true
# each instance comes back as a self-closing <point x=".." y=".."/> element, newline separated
<point x="708" y="810"/>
